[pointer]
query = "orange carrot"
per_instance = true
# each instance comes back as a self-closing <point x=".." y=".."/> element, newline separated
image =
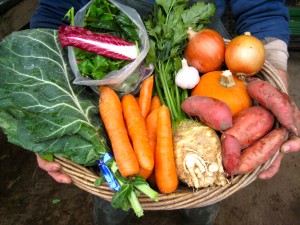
<point x="110" y="109"/>
<point x="145" y="96"/>
<point x="145" y="173"/>
<point x="151" y="125"/>
<point x="165" y="167"/>
<point x="151" y="180"/>
<point x="136" y="126"/>
<point x="155" y="103"/>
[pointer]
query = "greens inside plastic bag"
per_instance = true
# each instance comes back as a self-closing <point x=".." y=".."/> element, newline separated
<point x="124" y="22"/>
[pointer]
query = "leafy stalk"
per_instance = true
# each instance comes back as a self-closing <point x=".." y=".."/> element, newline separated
<point x="70" y="16"/>
<point x="147" y="190"/>
<point x="167" y="28"/>
<point x="130" y="189"/>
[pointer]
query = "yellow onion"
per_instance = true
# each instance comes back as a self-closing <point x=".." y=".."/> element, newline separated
<point x="245" y="55"/>
<point x="205" y="50"/>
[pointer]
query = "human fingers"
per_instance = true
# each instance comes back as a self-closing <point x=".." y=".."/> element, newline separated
<point x="60" y="177"/>
<point x="291" y="145"/>
<point x="46" y="165"/>
<point x="273" y="169"/>
<point x="53" y="169"/>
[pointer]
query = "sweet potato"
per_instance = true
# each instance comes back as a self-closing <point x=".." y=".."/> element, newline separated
<point x="213" y="112"/>
<point x="231" y="151"/>
<point x="273" y="99"/>
<point x="296" y="114"/>
<point x="250" y="125"/>
<point x="261" y="151"/>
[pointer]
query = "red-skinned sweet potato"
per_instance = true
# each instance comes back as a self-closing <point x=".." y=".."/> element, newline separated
<point x="295" y="113"/>
<point x="275" y="100"/>
<point x="213" y="112"/>
<point x="231" y="151"/>
<point x="250" y="125"/>
<point x="261" y="151"/>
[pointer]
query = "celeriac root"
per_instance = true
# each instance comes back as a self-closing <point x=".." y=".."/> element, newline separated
<point x="198" y="155"/>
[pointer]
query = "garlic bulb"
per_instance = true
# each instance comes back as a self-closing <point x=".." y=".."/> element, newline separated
<point x="187" y="77"/>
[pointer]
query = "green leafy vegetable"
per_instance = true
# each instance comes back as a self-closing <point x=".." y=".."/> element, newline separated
<point x="99" y="181"/>
<point x="167" y="28"/>
<point x="40" y="109"/>
<point x="130" y="189"/>
<point x="104" y="17"/>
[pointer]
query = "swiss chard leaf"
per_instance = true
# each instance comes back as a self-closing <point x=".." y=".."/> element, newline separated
<point x="40" y="109"/>
<point x="120" y="198"/>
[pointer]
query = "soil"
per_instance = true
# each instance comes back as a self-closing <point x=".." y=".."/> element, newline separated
<point x="28" y="196"/>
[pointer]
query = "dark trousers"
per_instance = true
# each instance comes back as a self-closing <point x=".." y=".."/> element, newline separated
<point x="105" y="214"/>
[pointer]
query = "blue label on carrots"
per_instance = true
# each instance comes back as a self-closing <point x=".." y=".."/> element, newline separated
<point x="108" y="175"/>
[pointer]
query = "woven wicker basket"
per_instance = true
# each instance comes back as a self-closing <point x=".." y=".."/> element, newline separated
<point x="183" y="197"/>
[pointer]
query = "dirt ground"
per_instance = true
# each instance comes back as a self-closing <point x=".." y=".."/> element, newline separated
<point x="28" y="196"/>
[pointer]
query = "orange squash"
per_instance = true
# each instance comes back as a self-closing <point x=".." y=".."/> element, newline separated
<point x="224" y="86"/>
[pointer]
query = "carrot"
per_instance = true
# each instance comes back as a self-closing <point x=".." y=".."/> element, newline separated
<point x="110" y="109"/>
<point x="155" y="103"/>
<point x="151" y="180"/>
<point x="145" y="173"/>
<point x="165" y="167"/>
<point x="151" y="125"/>
<point x="136" y="126"/>
<point x="145" y="96"/>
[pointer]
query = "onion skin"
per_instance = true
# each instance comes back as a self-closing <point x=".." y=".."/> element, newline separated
<point x="205" y="50"/>
<point x="245" y="55"/>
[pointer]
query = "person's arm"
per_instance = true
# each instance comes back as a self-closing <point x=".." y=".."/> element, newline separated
<point x="51" y="13"/>
<point x="268" y="21"/>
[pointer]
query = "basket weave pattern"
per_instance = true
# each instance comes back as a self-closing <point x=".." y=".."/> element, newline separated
<point x="183" y="197"/>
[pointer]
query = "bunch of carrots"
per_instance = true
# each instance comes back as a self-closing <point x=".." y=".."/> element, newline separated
<point x="140" y="132"/>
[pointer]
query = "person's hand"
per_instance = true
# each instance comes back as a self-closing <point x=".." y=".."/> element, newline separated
<point x="291" y="145"/>
<point x="53" y="169"/>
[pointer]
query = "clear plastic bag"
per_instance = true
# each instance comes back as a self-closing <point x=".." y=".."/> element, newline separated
<point x="130" y="76"/>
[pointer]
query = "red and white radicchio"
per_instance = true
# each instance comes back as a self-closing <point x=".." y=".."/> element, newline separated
<point x="101" y="44"/>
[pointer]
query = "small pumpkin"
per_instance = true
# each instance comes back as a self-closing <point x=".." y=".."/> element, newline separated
<point x="226" y="87"/>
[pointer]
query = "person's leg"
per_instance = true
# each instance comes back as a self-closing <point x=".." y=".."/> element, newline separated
<point x="105" y="214"/>
<point x="199" y="216"/>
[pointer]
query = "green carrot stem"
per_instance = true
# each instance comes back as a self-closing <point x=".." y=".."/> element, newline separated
<point x="147" y="190"/>
<point x="135" y="204"/>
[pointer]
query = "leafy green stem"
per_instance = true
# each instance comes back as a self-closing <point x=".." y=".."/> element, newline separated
<point x="162" y="73"/>
<point x="147" y="190"/>
<point x="135" y="204"/>
<point x="159" y="91"/>
<point x="130" y="188"/>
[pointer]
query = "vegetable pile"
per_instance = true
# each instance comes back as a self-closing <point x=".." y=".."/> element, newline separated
<point x="191" y="123"/>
